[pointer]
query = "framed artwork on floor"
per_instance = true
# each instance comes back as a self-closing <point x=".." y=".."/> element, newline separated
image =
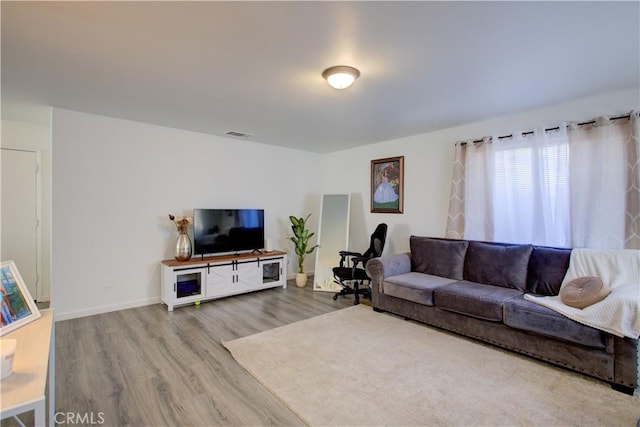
<point x="17" y="308"/>
<point x="387" y="185"/>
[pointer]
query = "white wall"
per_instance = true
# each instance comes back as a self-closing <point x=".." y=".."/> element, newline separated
<point x="116" y="181"/>
<point x="36" y="137"/>
<point x="428" y="163"/>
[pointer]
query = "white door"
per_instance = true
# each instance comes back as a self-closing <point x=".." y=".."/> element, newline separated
<point x="19" y="215"/>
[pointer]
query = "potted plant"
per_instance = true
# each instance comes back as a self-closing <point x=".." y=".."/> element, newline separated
<point x="300" y="239"/>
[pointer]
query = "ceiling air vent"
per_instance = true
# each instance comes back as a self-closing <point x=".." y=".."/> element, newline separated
<point x="237" y="134"/>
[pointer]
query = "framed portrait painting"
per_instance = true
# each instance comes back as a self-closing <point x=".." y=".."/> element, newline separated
<point x="387" y="185"/>
<point x="17" y="308"/>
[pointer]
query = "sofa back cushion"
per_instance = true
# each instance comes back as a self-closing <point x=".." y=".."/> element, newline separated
<point x="497" y="264"/>
<point x="547" y="268"/>
<point x="438" y="257"/>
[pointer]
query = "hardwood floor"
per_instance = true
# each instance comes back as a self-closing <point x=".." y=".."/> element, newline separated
<point x="148" y="367"/>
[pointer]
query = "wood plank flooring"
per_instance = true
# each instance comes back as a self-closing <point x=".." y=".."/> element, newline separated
<point x="148" y="367"/>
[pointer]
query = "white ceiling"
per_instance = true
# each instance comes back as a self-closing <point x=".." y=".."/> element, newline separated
<point x="254" y="67"/>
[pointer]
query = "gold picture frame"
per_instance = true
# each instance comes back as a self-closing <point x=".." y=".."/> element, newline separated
<point x="17" y="308"/>
<point x="387" y="185"/>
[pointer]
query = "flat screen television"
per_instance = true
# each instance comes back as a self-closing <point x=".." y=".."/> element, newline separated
<point x="227" y="230"/>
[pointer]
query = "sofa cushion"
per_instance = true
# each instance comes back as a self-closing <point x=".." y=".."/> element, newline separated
<point x="474" y="299"/>
<point x="438" y="257"/>
<point x="529" y="316"/>
<point x="547" y="268"/>
<point x="497" y="264"/>
<point x="416" y="287"/>
<point x="582" y="292"/>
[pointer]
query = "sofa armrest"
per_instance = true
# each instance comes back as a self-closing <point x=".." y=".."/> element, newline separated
<point x="381" y="268"/>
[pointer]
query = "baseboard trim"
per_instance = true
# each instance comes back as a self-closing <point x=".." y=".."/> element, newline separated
<point x="74" y="314"/>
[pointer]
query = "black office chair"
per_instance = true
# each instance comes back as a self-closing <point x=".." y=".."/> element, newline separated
<point x="351" y="269"/>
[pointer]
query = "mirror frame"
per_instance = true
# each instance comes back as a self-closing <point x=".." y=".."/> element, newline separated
<point x="323" y="274"/>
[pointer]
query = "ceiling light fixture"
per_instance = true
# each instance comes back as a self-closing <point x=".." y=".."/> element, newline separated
<point x="340" y="76"/>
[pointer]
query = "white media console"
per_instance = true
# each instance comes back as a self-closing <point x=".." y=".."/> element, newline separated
<point x="202" y="279"/>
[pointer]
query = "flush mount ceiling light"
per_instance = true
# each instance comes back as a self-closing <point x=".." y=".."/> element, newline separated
<point x="340" y="76"/>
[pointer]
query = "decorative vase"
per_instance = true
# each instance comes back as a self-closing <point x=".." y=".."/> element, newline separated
<point x="301" y="280"/>
<point x="183" y="247"/>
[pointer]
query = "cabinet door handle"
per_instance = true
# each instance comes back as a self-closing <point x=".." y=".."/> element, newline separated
<point x="174" y="287"/>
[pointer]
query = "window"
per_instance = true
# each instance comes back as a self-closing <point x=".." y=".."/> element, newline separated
<point x="573" y="186"/>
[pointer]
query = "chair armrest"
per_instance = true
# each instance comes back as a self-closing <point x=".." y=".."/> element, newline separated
<point x="351" y="255"/>
<point x="381" y="268"/>
<point x="347" y="253"/>
<point x="359" y="259"/>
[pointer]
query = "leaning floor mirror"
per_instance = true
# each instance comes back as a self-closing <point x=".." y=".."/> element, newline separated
<point x="333" y="237"/>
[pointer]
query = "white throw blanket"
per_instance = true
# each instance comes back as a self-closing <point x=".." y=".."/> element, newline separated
<point x="619" y="312"/>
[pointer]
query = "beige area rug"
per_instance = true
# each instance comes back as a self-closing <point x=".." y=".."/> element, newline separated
<point x="355" y="367"/>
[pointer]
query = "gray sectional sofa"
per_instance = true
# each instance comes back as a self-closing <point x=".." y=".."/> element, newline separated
<point x="477" y="289"/>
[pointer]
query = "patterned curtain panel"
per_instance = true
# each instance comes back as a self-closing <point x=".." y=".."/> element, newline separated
<point x="572" y="186"/>
<point x="455" y="218"/>
<point x="605" y="197"/>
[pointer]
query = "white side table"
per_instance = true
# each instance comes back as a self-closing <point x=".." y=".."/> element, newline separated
<point x="33" y="369"/>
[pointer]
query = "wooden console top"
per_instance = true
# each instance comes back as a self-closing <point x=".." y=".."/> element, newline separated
<point x="222" y="258"/>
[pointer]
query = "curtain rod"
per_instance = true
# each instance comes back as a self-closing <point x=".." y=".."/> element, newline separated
<point x="590" y="122"/>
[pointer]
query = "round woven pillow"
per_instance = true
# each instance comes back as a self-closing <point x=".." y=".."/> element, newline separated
<point x="583" y="292"/>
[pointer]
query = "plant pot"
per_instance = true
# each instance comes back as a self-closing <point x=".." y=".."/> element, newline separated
<point x="301" y="280"/>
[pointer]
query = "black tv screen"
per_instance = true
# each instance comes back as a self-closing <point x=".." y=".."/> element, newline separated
<point x="227" y="230"/>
